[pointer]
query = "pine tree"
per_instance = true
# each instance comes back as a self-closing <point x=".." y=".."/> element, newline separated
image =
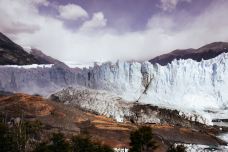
<point x="59" y="144"/>
<point x="142" y="140"/>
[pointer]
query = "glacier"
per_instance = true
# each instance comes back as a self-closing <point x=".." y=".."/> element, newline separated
<point x="194" y="86"/>
<point x="106" y="103"/>
<point x="199" y="84"/>
<point x="30" y="66"/>
<point x="224" y="137"/>
<point x="35" y="79"/>
<point x="187" y="85"/>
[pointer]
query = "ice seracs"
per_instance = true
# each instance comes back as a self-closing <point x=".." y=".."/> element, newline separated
<point x="190" y="86"/>
<point x="186" y="85"/>
<point x="101" y="102"/>
<point x="122" y="78"/>
<point x="86" y="65"/>
<point x="195" y="88"/>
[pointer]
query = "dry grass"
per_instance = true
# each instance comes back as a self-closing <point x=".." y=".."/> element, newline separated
<point x="72" y="120"/>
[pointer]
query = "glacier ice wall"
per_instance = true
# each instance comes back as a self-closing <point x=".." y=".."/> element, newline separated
<point x="187" y="85"/>
<point x="190" y="84"/>
<point x="35" y="79"/>
<point x="194" y="86"/>
<point x="122" y="78"/>
<point x="184" y="83"/>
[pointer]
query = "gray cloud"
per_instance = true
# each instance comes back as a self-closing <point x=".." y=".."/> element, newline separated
<point x="14" y="18"/>
<point x="169" y="5"/>
<point x="160" y="35"/>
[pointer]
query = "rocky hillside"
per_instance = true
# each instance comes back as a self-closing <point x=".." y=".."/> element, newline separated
<point x="206" y="52"/>
<point x="43" y="58"/>
<point x="71" y="120"/>
<point x="105" y="103"/>
<point x="13" y="54"/>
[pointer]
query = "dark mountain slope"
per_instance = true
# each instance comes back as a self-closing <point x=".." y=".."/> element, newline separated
<point x="206" y="52"/>
<point x="39" y="55"/>
<point x="13" y="54"/>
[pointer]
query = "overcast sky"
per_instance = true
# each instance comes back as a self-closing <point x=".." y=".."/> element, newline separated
<point x="103" y="30"/>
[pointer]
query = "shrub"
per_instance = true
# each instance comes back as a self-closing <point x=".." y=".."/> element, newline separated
<point x="43" y="147"/>
<point x="59" y="144"/>
<point x="84" y="144"/>
<point x="7" y="140"/>
<point x="142" y="140"/>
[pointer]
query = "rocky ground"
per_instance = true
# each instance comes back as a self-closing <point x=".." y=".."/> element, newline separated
<point x="74" y="120"/>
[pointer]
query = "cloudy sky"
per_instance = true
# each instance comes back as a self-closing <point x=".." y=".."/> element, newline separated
<point x="102" y="30"/>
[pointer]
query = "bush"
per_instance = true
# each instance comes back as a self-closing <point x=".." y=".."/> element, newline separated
<point x="7" y="140"/>
<point x="33" y="128"/>
<point x="81" y="144"/>
<point x="84" y="144"/>
<point x="78" y="144"/>
<point x="43" y="147"/>
<point x="15" y="138"/>
<point x="59" y="144"/>
<point x="142" y="140"/>
<point x="19" y="137"/>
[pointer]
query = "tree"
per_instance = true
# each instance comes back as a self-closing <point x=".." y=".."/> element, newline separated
<point x="56" y="144"/>
<point x="81" y="144"/>
<point x="23" y="132"/>
<point x="142" y="140"/>
<point x="7" y="140"/>
<point x="84" y="144"/>
<point x="177" y="148"/>
<point x="33" y="128"/>
<point x="59" y="144"/>
<point x="15" y="137"/>
<point x="43" y="147"/>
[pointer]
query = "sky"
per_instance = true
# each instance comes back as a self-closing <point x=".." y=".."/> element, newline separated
<point x="83" y="31"/>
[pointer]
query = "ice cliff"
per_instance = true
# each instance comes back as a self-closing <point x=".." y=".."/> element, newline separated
<point x="35" y="79"/>
<point x="182" y="84"/>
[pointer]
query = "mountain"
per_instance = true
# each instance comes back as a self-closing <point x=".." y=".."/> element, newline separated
<point x="194" y="87"/>
<point x="43" y="58"/>
<point x="206" y="52"/>
<point x="13" y="54"/>
<point x="186" y="93"/>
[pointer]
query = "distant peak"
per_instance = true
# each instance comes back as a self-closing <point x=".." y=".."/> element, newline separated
<point x="205" y="52"/>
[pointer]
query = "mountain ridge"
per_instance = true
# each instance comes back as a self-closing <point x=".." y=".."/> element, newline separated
<point x="13" y="54"/>
<point x="205" y="52"/>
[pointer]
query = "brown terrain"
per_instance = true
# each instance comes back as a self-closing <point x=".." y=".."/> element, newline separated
<point x="72" y="121"/>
